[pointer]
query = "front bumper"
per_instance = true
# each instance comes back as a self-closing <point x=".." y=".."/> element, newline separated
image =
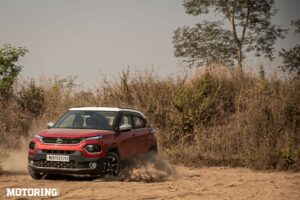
<point x="78" y="163"/>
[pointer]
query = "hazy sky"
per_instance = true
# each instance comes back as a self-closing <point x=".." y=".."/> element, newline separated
<point x="82" y="37"/>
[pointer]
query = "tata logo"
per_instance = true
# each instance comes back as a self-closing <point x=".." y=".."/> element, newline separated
<point x="59" y="141"/>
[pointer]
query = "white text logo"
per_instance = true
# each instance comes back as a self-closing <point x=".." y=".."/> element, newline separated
<point x="32" y="192"/>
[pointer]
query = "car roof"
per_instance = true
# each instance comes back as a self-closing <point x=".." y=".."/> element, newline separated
<point x="107" y="109"/>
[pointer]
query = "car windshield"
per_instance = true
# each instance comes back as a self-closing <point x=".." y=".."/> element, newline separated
<point x="102" y="120"/>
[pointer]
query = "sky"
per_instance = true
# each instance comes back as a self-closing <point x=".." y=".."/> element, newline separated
<point x="87" y="38"/>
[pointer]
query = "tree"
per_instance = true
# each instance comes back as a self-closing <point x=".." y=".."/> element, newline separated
<point x="9" y="70"/>
<point x="296" y="23"/>
<point x="291" y="57"/>
<point x="250" y="30"/>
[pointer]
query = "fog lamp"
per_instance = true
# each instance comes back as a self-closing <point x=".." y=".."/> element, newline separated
<point x="32" y="145"/>
<point x="93" y="165"/>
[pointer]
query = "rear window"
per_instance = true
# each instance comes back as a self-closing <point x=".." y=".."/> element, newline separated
<point x="139" y="122"/>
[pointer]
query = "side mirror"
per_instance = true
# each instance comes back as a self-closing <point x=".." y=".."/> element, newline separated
<point x="125" y="127"/>
<point x="152" y="130"/>
<point x="50" y="124"/>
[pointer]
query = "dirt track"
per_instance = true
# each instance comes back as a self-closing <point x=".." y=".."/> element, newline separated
<point x="203" y="183"/>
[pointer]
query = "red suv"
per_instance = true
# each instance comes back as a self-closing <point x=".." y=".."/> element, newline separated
<point x="90" y="140"/>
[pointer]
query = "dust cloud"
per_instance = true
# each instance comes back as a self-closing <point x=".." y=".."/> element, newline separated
<point x="16" y="160"/>
<point x="149" y="169"/>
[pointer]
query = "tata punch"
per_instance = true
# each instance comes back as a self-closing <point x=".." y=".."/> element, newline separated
<point x="90" y="140"/>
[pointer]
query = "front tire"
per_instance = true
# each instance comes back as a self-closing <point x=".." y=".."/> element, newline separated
<point x="112" y="164"/>
<point x="35" y="175"/>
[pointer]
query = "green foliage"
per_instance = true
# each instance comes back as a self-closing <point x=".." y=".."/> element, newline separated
<point x="9" y="70"/>
<point x="205" y="43"/>
<point x="251" y="30"/>
<point x="287" y="156"/>
<point x="291" y="57"/>
<point x="193" y="104"/>
<point x="290" y="159"/>
<point x="199" y="103"/>
<point x="296" y="23"/>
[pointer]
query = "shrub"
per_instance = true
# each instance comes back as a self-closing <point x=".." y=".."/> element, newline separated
<point x="31" y="99"/>
<point x="208" y="119"/>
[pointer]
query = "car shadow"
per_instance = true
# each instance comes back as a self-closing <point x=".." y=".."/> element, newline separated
<point x="70" y="177"/>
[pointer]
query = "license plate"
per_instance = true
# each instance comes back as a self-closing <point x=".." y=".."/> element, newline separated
<point x="60" y="158"/>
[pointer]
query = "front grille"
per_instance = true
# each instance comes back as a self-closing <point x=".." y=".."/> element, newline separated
<point x="64" y="152"/>
<point x="56" y="164"/>
<point x="55" y="140"/>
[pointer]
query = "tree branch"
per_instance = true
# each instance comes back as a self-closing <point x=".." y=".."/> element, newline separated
<point x="219" y="61"/>
<point x="246" y="25"/>
<point x="234" y="25"/>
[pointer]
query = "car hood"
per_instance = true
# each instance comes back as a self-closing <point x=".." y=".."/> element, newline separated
<point x="72" y="133"/>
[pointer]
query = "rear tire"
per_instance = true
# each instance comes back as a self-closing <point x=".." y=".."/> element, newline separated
<point x="112" y="164"/>
<point x="153" y="150"/>
<point x="35" y="175"/>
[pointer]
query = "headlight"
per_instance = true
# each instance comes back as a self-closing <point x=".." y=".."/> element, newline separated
<point x="94" y="138"/>
<point x="92" y="148"/>
<point x="32" y="145"/>
<point x="38" y="137"/>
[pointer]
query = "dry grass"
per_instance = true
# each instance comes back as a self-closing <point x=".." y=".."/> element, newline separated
<point x="208" y="119"/>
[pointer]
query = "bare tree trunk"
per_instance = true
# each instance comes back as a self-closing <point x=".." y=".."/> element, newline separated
<point x="240" y="61"/>
<point x="238" y="43"/>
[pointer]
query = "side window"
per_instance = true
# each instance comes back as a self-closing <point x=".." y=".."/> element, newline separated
<point x="139" y="122"/>
<point x="126" y="119"/>
<point x="68" y="121"/>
